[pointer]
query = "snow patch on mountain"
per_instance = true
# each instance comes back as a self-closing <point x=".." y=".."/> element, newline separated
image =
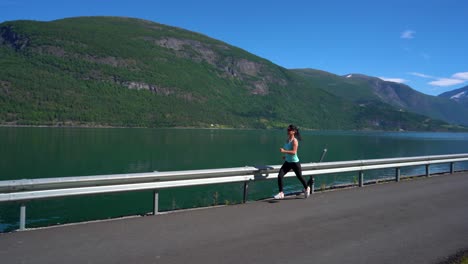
<point x="459" y="95"/>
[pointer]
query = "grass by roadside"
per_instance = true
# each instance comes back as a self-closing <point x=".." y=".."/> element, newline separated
<point x="461" y="257"/>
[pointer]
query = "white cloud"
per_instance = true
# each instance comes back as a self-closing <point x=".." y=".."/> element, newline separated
<point x="461" y="76"/>
<point x="407" y="34"/>
<point x="397" y="80"/>
<point x="456" y="78"/>
<point x="446" y="82"/>
<point x="422" y="75"/>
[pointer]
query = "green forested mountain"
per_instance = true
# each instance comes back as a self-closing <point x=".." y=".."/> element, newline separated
<point x="113" y="71"/>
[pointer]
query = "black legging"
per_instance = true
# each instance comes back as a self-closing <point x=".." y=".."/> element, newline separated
<point x="287" y="166"/>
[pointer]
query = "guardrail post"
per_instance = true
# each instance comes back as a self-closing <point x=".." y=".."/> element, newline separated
<point x="246" y="191"/>
<point x="22" y="223"/>
<point x="452" y="167"/>
<point x="427" y="170"/>
<point x="155" y="202"/>
<point x="397" y="174"/>
<point x="312" y="184"/>
<point x="361" y="179"/>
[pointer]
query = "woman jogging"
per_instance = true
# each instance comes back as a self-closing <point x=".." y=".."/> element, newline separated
<point x="291" y="161"/>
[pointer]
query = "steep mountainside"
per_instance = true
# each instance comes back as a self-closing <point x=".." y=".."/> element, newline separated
<point x="112" y="71"/>
<point x="361" y="89"/>
<point x="458" y="95"/>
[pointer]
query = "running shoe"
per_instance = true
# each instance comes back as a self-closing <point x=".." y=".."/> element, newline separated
<point x="279" y="196"/>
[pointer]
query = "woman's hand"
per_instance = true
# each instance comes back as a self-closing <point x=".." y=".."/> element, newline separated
<point x="282" y="150"/>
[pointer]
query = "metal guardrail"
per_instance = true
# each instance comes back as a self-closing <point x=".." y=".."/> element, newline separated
<point x="34" y="189"/>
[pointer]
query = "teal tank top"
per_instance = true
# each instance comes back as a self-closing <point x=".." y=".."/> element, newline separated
<point x="290" y="157"/>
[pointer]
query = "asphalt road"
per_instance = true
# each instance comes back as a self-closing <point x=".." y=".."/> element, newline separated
<point x="414" y="221"/>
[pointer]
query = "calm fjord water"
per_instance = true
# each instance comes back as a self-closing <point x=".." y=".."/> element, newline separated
<point x="62" y="152"/>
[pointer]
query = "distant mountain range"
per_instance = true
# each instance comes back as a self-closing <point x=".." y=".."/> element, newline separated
<point x="459" y="95"/>
<point x="114" y="71"/>
<point x="363" y="89"/>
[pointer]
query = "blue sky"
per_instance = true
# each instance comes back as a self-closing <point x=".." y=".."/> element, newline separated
<point x="423" y="44"/>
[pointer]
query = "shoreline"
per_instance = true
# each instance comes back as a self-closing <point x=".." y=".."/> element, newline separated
<point x="223" y="128"/>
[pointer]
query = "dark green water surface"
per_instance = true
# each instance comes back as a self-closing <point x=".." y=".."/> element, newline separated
<point x="61" y="152"/>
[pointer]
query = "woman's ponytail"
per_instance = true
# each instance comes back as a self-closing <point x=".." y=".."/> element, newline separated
<point x="298" y="135"/>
